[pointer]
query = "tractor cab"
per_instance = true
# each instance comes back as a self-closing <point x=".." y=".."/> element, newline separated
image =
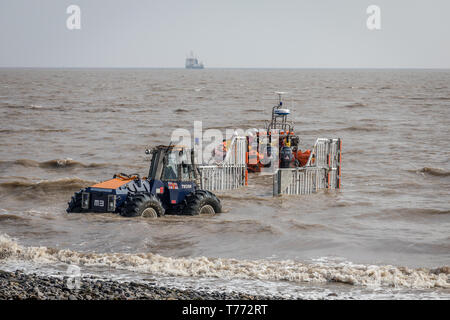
<point x="170" y="163"/>
<point x="172" y="175"/>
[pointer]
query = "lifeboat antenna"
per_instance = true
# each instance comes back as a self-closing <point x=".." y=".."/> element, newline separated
<point x="280" y="94"/>
<point x="279" y="113"/>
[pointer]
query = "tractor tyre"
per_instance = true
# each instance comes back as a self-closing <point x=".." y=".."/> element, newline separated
<point x="142" y="204"/>
<point x="202" y="202"/>
<point x="75" y="203"/>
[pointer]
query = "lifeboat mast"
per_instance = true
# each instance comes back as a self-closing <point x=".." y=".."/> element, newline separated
<point x="279" y="117"/>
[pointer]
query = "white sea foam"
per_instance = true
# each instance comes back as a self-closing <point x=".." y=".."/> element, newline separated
<point x="287" y="270"/>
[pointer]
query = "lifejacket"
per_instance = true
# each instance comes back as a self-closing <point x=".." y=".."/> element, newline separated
<point x="224" y="146"/>
<point x="287" y="142"/>
<point x="252" y="157"/>
<point x="302" y="157"/>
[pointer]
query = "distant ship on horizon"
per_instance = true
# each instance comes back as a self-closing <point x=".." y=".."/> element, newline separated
<point x="193" y="63"/>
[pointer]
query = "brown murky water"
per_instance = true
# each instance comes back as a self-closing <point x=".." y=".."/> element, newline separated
<point x="65" y="129"/>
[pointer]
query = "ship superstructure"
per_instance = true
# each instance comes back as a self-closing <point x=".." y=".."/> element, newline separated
<point x="192" y="62"/>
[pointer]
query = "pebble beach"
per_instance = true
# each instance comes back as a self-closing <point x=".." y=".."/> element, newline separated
<point x="21" y="286"/>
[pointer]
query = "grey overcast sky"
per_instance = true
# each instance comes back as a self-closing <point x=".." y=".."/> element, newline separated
<point x="226" y="33"/>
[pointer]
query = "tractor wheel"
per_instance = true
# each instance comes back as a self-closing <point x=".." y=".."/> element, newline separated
<point x="142" y="204"/>
<point x="202" y="202"/>
<point x="75" y="203"/>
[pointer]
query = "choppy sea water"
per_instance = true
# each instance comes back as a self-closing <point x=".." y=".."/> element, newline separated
<point x="384" y="235"/>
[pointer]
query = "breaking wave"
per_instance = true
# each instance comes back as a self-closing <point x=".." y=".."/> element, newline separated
<point x="244" y="197"/>
<point x="420" y="211"/>
<point x="40" y="130"/>
<point x="306" y="226"/>
<point x="29" y="107"/>
<point x="53" y="164"/>
<point x="355" y="105"/>
<point x="253" y="110"/>
<point x="180" y="110"/>
<point x="361" y="128"/>
<point x="46" y="185"/>
<point x="6" y="216"/>
<point x="319" y="272"/>
<point x="434" y="172"/>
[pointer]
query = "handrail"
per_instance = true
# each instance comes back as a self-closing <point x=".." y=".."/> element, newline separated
<point x="324" y="172"/>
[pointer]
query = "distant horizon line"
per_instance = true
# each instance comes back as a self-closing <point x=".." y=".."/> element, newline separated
<point x="239" y="68"/>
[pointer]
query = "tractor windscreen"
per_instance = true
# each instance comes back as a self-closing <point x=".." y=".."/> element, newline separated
<point x="170" y="171"/>
<point x="171" y="164"/>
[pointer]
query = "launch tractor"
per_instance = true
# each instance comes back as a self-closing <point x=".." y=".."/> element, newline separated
<point x="172" y="187"/>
